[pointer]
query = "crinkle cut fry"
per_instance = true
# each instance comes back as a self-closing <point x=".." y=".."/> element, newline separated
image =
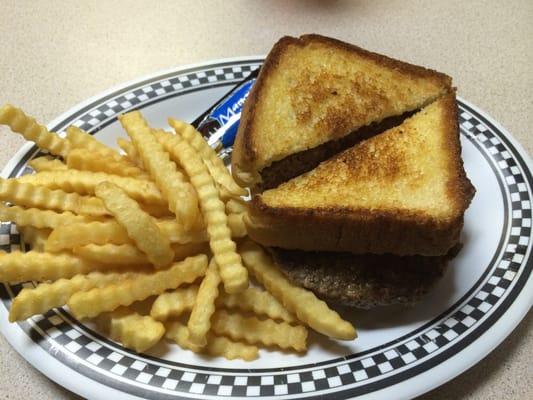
<point x="70" y="236"/>
<point x="140" y="226"/>
<point x="213" y="162"/>
<point x="35" y="237"/>
<point x="45" y="296"/>
<point x="234" y="275"/>
<point x="81" y="139"/>
<point x="303" y="303"/>
<point x="216" y="345"/>
<point x="38" y="218"/>
<point x="85" y="182"/>
<point x="98" y="161"/>
<point x="181" y="196"/>
<point x="35" y="266"/>
<point x="46" y="163"/>
<point x="96" y="301"/>
<point x="131" y="152"/>
<point x="204" y="306"/>
<point x="28" y="195"/>
<point x="253" y="330"/>
<point x="173" y="304"/>
<point x="134" y="331"/>
<point x="25" y="125"/>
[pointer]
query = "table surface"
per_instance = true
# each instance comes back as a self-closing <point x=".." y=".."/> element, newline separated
<point x="56" y="54"/>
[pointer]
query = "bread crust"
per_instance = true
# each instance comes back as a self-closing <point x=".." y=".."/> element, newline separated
<point x="244" y="156"/>
<point x="400" y="232"/>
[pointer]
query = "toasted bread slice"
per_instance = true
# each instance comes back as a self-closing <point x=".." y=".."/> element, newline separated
<point x="312" y="90"/>
<point x="362" y="280"/>
<point x="402" y="192"/>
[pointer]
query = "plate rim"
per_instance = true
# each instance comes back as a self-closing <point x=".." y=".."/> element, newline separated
<point x="490" y="344"/>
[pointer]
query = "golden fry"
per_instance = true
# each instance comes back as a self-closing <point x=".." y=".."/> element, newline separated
<point x="204" y="306"/>
<point x="27" y="195"/>
<point x="216" y="345"/>
<point x="46" y="163"/>
<point x="45" y="296"/>
<point x="140" y="226"/>
<point x="38" y="218"/>
<point x="34" y="266"/>
<point x="96" y="301"/>
<point x="303" y="303"/>
<point x="182" y="198"/>
<point x="78" y="138"/>
<point x="31" y="130"/>
<point x="234" y="275"/>
<point x="258" y="301"/>
<point x="128" y="254"/>
<point x="213" y="162"/>
<point x="134" y="331"/>
<point x="97" y="161"/>
<point x="173" y="304"/>
<point x="253" y="330"/>
<point x="85" y="182"/>
<point x="81" y="234"/>
<point x="131" y="153"/>
<point x="234" y="206"/>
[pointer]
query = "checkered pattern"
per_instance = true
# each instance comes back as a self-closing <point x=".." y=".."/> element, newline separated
<point x="107" y="360"/>
<point x="179" y="83"/>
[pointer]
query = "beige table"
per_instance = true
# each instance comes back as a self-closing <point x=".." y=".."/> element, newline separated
<point x="56" y="54"/>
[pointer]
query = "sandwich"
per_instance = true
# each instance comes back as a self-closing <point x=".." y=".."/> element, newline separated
<point x="401" y="192"/>
<point x="354" y="163"/>
<point x="316" y="96"/>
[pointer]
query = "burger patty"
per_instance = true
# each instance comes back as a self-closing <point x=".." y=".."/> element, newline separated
<point x="363" y="281"/>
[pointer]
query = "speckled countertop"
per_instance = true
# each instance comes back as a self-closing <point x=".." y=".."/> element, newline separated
<point x="54" y="54"/>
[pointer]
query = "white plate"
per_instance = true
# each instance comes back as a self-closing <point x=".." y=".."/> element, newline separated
<point x="400" y="352"/>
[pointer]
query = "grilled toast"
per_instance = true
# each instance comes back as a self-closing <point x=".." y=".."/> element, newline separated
<point x="403" y="192"/>
<point x="312" y="92"/>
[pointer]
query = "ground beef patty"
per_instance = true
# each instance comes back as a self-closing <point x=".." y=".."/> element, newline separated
<point x="362" y="281"/>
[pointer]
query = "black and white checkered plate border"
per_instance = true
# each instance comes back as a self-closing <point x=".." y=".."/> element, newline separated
<point x="106" y="362"/>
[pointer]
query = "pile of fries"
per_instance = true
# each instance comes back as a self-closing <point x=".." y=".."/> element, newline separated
<point x="160" y="222"/>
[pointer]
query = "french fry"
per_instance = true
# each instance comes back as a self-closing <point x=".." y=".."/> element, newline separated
<point x="132" y="330"/>
<point x="78" y="138"/>
<point x="45" y="296"/>
<point x="38" y="218"/>
<point x="111" y="232"/>
<point x="303" y="303"/>
<point x="181" y="196"/>
<point x="35" y="266"/>
<point x="234" y="275"/>
<point x="157" y="210"/>
<point x="236" y="225"/>
<point x="213" y="162"/>
<point x="131" y="153"/>
<point x="31" y="130"/>
<point x="253" y="330"/>
<point x="35" y="237"/>
<point x="81" y="234"/>
<point x="140" y="226"/>
<point x="217" y="346"/>
<point x="173" y="304"/>
<point x="96" y="301"/>
<point x="46" y="163"/>
<point x="27" y="195"/>
<point x="85" y="182"/>
<point x="128" y="254"/>
<point x="258" y="301"/>
<point x="234" y="206"/>
<point x="204" y="306"/>
<point x="97" y="161"/>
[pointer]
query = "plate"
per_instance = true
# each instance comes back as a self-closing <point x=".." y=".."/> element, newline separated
<point x="400" y="353"/>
